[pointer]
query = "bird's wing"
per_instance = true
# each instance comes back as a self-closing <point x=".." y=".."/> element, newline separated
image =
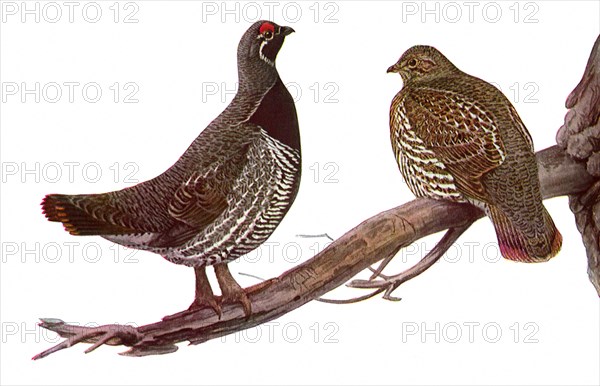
<point x="199" y="200"/>
<point x="204" y="195"/>
<point x="460" y="132"/>
<point x="521" y="129"/>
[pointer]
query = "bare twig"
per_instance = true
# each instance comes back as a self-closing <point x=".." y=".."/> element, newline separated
<point x="379" y="271"/>
<point x="351" y="300"/>
<point x="112" y="334"/>
<point x="321" y="235"/>
<point x="251" y="275"/>
<point x="390" y="283"/>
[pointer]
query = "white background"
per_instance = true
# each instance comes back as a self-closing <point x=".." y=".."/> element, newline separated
<point x="547" y="315"/>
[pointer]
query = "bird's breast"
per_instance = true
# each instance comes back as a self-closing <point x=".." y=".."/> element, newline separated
<point x="276" y="114"/>
<point x="423" y="172"/>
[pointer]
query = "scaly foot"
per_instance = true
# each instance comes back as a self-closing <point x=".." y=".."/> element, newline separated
<point x="231" y="290"/>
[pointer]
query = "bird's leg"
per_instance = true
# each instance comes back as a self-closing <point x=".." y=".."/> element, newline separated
<point x="204" y="294"/>
<point x="231" y="290"/>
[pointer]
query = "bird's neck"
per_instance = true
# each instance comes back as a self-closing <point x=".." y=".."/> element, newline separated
<point x="256" y="76"/>
<point x="263" y="99"/>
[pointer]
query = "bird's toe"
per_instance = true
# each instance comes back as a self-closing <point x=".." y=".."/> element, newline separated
<point x="237" y="295"/>
<point x="208" y="301"/>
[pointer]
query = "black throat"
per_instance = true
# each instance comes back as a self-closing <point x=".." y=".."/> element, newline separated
<point x="277" y="116"/>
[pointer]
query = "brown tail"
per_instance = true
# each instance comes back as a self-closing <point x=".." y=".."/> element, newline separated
<point x="62" y="208"/>
<point x="515" y="246"/>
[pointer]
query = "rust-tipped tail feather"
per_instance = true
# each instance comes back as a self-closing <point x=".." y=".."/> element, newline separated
<point x="56" y="207"/>
<point x="514" y="245"/>
<point x="63" y="208"/>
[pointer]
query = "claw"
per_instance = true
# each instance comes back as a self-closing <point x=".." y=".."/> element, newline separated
<point x="204" y="302"/>
<point x="238" y="297"/>
<point x="231" y="290"/>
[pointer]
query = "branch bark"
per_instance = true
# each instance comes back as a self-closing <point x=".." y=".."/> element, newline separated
<point x="570" y="169"/>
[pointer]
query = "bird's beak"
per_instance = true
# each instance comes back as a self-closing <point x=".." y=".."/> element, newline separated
<point x="394" y="68"/>
<point x="286" y="30"/>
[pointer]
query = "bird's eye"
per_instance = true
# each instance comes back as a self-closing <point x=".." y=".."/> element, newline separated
<point x="268" y="35"/>
<point x="412" y="63"/>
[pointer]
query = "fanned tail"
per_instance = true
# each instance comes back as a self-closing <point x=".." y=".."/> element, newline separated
<point x="514" y="245"/>
<point x="64" y="209"/>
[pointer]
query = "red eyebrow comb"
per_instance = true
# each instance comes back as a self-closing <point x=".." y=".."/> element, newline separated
<point x="267" y="27"/>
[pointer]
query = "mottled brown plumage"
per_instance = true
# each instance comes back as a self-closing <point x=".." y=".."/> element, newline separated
<point x="458" y="138"/>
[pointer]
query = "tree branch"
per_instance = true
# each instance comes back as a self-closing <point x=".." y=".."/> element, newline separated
<point x="375" y="239"/>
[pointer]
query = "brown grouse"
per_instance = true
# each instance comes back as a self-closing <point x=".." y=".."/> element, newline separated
<point x="226" y="194"/>
<point x="458" y="138"/>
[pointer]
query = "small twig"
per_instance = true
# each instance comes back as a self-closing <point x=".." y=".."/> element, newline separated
<point x="251" y="275"/>
<point x="351" y="300"/>
<point x="111" y="334"/>
<point x="377" y="272"/>
<point x="316" y="236"/>
<point x="392" y="282"/>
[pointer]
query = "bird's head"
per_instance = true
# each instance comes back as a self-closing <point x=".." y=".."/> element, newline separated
<point x="262" y="42"/>
<point x="420" y="63"/>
